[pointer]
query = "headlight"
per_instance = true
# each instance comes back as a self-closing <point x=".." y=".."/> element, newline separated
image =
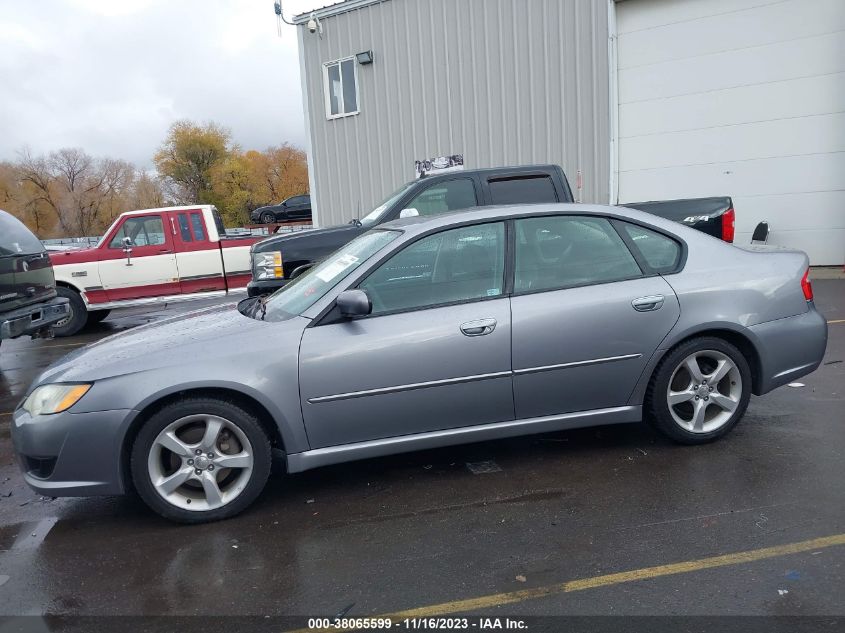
<point x="48" y="399"/>
<point x="268" y="265"/>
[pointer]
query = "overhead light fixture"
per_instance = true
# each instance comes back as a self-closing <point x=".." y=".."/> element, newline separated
<point x="364" y="58"/>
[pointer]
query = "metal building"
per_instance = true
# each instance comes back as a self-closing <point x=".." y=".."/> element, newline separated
<point x="645" y="99"/>
<point x="502" y="82"/>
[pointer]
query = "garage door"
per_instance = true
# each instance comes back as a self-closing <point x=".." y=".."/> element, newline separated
<point x="743" y="98"/>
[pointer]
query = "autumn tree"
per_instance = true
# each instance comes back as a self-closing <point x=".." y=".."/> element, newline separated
<point x="83" y="193"/>
<point x="187" y="157"/>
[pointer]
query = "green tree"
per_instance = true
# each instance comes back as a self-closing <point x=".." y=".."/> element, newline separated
<point x="187" y="158"/>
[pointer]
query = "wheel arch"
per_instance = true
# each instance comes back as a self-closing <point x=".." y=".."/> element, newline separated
<point x="739" y="337"/>
<point x="154" y="403"/>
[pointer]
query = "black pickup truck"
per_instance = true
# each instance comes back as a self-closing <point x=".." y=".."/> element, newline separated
<point x="279" y="259"/>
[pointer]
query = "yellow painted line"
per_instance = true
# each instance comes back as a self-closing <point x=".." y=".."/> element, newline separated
<point x="63" y="345"/>
<point x="837" y="321"/>
<point x="646" y="573"/>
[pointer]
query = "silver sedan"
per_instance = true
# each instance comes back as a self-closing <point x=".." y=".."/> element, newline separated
<point x="427" y="332"/>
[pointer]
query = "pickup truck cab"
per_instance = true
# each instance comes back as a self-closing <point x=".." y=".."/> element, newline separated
<point x="151" y="256"/>
<point x="28" y="301"/>
<point x="279" y="259"/>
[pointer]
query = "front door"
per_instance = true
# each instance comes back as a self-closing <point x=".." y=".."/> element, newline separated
<point x="149" y="270"/>
<point x="434" y="354"/>
<point x="586" y="316"/>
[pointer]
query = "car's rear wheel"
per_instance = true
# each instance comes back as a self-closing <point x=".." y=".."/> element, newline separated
<point x="268" y="218"/>
<point x="76" y="318"/>
<point x="700" y="391"/>
<point x="200" y="459"/>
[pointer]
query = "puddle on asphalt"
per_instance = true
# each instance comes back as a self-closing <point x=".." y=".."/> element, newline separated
<point x="23" y="536"/>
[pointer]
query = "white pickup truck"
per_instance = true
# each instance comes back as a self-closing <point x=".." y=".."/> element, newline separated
<point x="151" y="256"/>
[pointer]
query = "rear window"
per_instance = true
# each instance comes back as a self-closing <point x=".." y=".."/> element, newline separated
<point x="523" y="190"/>
<point x="15" y="238"/>
<point x="661" y="253"/>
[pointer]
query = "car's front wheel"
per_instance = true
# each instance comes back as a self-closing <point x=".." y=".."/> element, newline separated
<point x="268" y="218"/>
<point x="700" y="391"/>
<point x="200" y="459"/>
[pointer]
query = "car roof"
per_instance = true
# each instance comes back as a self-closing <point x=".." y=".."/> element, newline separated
<point x="422" y="224"/>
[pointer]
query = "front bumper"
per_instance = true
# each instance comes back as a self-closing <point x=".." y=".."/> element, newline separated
<point x="72" y="454"/>
<point x="33" y="319"/>
<point x="790" y="348"/>
<point x="264" y="287"/>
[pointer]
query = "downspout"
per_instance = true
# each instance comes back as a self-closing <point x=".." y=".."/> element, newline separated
<point x="613" y="98"/>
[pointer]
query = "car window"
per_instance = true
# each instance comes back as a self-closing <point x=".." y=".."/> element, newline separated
<point x="142" y="230"/>
<point x="373" y="216"/>
<point x="184" y="228"/>
<point x="522" y="190"/>
<point x="15" y="238"/>
<point x="441" y="197"/>
<point x="198" y="228"/>
<point x="562" y="251"/>
<point x="662" y="253"/>
<point x="456" y="265"/>
<point x="306" y="289"/>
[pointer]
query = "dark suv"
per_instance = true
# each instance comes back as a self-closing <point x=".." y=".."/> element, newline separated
<point x="28" y="302"/>
<point x="294" y="208"/>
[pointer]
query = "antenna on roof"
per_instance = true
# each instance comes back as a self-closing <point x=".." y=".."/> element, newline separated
<point x="280" y="17"/>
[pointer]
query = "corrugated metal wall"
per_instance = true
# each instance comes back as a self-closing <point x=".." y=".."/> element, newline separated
<point x="504" y="82"/>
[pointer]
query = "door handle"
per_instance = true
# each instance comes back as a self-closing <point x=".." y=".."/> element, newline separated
<point x="648" y="304"/>
<point x="479" y="327"/>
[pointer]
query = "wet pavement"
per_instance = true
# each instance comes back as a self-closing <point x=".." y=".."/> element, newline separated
<point x="436" y="527"/>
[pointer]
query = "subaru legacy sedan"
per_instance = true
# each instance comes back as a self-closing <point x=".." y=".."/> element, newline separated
<point x="427" y="332"/>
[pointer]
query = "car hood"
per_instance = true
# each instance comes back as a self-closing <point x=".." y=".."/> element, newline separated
<point x="340" y="232"/>
<point x="214" y="334"/>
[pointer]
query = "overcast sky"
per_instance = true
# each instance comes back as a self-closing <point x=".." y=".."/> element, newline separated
<point x="110" y="76"/>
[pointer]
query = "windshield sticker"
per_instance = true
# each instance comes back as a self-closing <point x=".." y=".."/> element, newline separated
<point x="336" y="267"/>
<point x="492" y="292"/>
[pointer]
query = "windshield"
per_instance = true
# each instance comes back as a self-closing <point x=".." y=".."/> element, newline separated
<point x="373" y="216"/>
<point x="16" y="238"/>
<point x="311" y="286"/>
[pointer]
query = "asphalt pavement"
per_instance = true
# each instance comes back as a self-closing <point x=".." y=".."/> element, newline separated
<point x="612" y="520"/>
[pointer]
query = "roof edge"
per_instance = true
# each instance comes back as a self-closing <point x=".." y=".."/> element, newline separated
<point x="334" y="9"/>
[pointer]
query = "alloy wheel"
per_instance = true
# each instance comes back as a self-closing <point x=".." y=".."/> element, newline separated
<point x="200" y="462"/>
<point x="704" y="391"/>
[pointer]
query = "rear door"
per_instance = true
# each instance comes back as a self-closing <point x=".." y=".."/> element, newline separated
<point x="150" y="269"/>
<point x="434" y="354"/>
<point x="299" y="207"/>
<point x="586" y="315"/>
<point x="198" y="259"/>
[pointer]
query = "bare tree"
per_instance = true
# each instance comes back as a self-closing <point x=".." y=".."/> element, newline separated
<point x="84" y="193"/>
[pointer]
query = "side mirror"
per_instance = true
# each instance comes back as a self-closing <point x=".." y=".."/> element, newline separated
<point x="408" y="213"/>
<point x="354" y="303"/>
<point x="127" y="242"/>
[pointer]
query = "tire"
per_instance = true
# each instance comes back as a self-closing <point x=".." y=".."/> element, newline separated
<point x="97" y="316"/>
<point x="268" y="217"/>
<point x="170" y="476"/>
<point x="700" y="411"/>
<point x="78" y="317"/>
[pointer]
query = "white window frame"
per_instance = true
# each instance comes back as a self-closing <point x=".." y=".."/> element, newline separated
<point x="327" y="88"/>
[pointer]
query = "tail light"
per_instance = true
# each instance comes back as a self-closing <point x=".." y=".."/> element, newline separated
<point x="806" y="286"/>
<point x="728" y="225"/>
